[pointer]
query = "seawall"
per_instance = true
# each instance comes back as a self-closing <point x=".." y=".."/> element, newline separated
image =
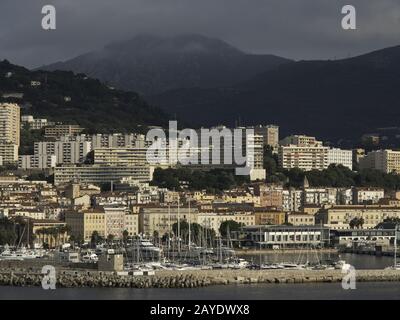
<point x="189" y="278"/>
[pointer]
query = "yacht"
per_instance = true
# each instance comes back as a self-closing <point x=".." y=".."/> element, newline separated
<point x="145" y="250"/>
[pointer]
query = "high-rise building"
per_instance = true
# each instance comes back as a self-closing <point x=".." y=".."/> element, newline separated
<point x="270" y="134"/>
<point x="9" y="132"/>
<point x="10" y="123"/>
<point x="384" y="160"/>
<point x="340" y="157"/>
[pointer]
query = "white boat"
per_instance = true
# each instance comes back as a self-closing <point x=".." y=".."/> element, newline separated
<point x="90" y="257"/>
<point x="144" y="250"/>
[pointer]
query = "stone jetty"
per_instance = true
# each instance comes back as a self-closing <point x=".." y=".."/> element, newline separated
<point x="187" y="279"/>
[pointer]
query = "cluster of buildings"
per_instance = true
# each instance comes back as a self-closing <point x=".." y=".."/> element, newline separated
<point x="75" y="206"/>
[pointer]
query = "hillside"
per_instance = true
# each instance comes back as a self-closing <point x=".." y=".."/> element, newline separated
<point x="149" y="65"/>
<point x="92" y="104"/>
<point x="329" y="99"/>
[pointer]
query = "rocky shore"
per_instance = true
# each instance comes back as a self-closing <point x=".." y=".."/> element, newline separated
<point x="188" y="279"/>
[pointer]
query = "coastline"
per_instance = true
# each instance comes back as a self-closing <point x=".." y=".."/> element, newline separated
<point x="188" y="278"/>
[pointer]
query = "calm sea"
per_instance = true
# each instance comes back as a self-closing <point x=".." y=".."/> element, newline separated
<point x="316" y="291"/>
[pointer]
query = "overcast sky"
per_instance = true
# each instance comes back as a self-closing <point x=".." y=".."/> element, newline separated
<point x="298" y="29"/>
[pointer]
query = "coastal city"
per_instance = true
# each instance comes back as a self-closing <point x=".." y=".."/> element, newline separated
<point x="93" y="201"/>
<point x="206" y="158"/>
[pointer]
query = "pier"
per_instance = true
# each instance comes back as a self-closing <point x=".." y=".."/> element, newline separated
<point x="186" y="279"/>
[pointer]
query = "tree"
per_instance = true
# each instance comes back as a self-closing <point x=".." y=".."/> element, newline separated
<point x="110" y="238"/>
<point x="229" y="226"/>
<point x="95" y="238"/>
<point x="125" y="235"/>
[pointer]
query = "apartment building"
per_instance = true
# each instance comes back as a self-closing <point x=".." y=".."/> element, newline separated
<point x="270" y="196"/>
<point x="9" y="132"/>
<point x="35" y="123"/>
<point x="307" y="153"/>
<point x="383" y="160"/>
<point x="10" y="123"/>
<point x="8" y="153"/>
<point x="300" y="219"/>
<point x="339" y="217"/>
<point x="367" y="195"/>
<point x="115" y="220"/>
<point x="161" y="218"/>
<point x="340" y="157"/>
<point x="272" y="216"/>
<point x="100" y="174"/>
<point x="59" y="130"/>
<point x="213" y="220"/>
<point x="303" y="157"/>
<point x="66" y="152"/>
<point x="120" y="156"/>
<point x="131" y="224"/>
<point x="270" y="134"/>
<point x="84" y="223"/>
<point x="27" y="162"/>
<point x="292" y="199"/>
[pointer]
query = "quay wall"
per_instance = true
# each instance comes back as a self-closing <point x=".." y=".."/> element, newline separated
<point x="188" y="278"/>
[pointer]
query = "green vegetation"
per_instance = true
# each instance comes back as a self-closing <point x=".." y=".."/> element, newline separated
<point x="229" y="226"/>
<point x="93" y="105"/>
<point x="356" y="223"/>
<point x="334" y="176"/>
<point x="214" y="180"/>
<point x="198" y="233"/>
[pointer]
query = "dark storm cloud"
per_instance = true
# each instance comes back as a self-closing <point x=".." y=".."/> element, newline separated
<point x="299" y="29"/>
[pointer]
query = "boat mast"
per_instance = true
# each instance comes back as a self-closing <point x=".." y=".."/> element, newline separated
<point x="179" y="228"/>
<point x="189" y="224"/>
<point x="395" y="245"/>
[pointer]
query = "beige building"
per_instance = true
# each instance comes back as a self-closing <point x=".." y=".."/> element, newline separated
<point x="383" y="160"/>
<point x="161" y="219"/>
<point x="10" y="123"/>
<point x="84" y="223"/>
<point x="339" y="217"/>
<point x="270" y="196"/>
<point x="131" y="224"/>
<point x="269" y="216"/>
<point x="270" y="134"/>
<point x="213" y="220"/>
<point x="62" y="130"/>
<point x="300" y="219"/>
<point x="9" y="132"/>
<point x="367" y="195"/>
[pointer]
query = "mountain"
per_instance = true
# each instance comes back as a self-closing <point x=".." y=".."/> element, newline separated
<point x="328" y="99"/>
<point x="92" y="104"/>
<point x="149" y="64"/>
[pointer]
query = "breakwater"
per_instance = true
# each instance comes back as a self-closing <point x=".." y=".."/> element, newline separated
<point x="188" y="278"/>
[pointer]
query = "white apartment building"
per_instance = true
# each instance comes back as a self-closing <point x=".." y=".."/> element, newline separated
<point x="383" y="160"/>
<point x="35" y="123"/>
<point x="8" y="152"/>
<point x="307" y="153"/>
<point x="120" y="156"/>
<point x="100" y="174"/>
<point x="305" y="158"/>
<point x="292" y="199"/>
<point x="27" y="162"/>
<point x="340" y="157"/>
<point x="367" y="195"/>
<point x="66" y="152"/>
